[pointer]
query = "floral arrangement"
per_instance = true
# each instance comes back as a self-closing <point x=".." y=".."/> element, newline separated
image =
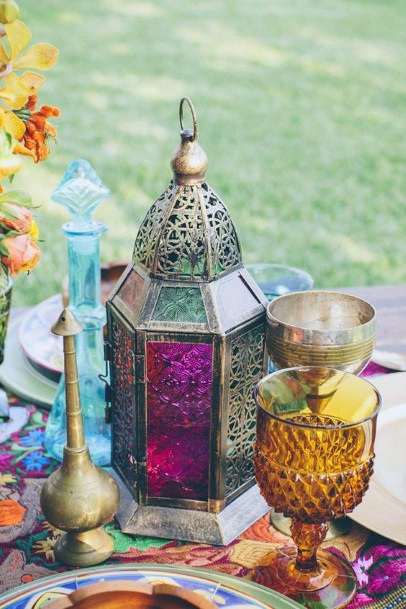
<point x="24" y="130"/>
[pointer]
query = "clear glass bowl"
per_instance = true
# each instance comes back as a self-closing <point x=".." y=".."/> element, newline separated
<point x="278" y="279"/>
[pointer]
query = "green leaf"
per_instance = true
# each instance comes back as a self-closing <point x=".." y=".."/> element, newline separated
<point x="123" y="542"/>
<point x="16" y="197"/>
<point x="37" y="418"/>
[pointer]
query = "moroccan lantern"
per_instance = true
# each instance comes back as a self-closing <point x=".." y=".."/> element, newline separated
<point x="185" y="349"/>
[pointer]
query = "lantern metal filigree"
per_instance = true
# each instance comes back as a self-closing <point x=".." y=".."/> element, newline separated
<point x="185" y="349"/>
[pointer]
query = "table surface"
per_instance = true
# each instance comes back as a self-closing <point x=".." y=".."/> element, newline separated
<point x="390" y="304"/>
<point x="26" y="540"/>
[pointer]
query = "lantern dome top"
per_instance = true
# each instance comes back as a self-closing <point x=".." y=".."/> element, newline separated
<point x="188" y="233"/>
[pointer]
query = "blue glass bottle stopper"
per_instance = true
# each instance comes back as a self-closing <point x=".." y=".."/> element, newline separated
<point x="81" y="192"/>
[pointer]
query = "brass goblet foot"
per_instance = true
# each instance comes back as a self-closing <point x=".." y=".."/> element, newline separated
<point x="335" y="527"/>
<point x="84" y="549"/>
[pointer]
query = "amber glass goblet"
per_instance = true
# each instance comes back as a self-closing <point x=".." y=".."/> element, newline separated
<point x="313" y="460"/>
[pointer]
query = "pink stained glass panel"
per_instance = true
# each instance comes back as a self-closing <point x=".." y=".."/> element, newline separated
<point x="179" y="384"/>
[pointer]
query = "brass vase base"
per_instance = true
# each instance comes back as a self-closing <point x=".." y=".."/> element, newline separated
<point x="336" y="528"/>
<point x="84" y="549"/>
<point x="331" y="586"/>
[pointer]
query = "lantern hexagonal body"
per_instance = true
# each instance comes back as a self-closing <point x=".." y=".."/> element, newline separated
<point x="185" y="348"/>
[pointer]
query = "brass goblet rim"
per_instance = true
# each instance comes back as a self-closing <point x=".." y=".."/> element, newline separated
<point x="322" y="369"/>
<point x="329" y="337"/>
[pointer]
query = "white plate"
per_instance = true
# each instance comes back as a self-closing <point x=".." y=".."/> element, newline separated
<point x="383" y="508"/>
<point x="18" y="377"/>
<point x="43" y="349"/>
<point x="390" y="359"/>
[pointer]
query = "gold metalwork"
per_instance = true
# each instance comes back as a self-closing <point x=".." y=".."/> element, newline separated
<point x="79" y="497"/>
<point x="187" y="284"/>
<point x="187" y="233"/>
<point x="320" y="328"/>
<point x="189" y="163"/>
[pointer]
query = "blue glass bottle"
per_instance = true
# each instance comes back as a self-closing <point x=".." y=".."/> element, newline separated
<point x="81" y="192"/>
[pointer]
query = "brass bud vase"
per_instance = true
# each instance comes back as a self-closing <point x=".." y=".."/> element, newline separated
<point x="79" y="497"/>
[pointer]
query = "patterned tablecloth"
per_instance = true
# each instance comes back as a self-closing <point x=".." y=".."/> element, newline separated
<point x="27" y="540"/>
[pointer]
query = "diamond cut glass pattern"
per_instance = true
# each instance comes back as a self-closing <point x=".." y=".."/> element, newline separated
<point x="327" y="483"/>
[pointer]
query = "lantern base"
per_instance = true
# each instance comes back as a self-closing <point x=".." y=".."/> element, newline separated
<point x="190" y="525"/>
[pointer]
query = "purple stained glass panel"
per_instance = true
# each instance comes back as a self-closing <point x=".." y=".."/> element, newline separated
<point x="179" y="383"/>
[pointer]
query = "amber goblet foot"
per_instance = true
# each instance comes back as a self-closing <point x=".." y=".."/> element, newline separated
<point x="313" y="461"/>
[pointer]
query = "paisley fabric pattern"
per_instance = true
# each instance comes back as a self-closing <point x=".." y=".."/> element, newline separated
<point x="27" y="540"/>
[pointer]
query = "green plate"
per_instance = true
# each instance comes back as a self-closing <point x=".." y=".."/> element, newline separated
<point x="18" y="377"/>
<point x="226" y="591"/>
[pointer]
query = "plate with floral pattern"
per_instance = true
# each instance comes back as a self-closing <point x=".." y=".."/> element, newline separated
<point x="225" y="591"/>
<point x="42" y="348"/>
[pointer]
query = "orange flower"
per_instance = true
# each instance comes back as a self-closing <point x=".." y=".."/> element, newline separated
<point x="38" y="131"/>
<point x="23" y="252"/>
<point x="11" y="512"/>
<point x="16" y="217"/>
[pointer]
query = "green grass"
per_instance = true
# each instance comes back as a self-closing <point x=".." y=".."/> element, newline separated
<point x="301" y="109"/>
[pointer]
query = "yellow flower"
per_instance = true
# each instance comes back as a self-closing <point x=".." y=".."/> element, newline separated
<point x="48" y="527"/>
<point x="46" y="546"/>
<point x="9" y="162"/>
<point x="40" y="56"/>
<point x="11" y="123"/>
<point x="9" y="11"/>
<point x="6" y="479"/>
<point x="34" y="231"/>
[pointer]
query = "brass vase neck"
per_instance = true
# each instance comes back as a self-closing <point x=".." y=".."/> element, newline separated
<point x="189" y="163"/>
<point x="68" y="326"/>
<point x="74" y="421"/>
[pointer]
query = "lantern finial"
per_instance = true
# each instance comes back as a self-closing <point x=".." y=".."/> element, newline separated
<point x="189" y="163"/>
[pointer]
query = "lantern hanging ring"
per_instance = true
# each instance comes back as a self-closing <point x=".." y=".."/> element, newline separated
<point x="192" y="110"/>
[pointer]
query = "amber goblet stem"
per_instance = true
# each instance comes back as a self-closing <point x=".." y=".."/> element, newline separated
<point x="307" y="538"/>
<point x="305" y="573"/>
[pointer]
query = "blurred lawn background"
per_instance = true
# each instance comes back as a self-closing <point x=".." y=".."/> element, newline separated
<point x="301" y="110"/>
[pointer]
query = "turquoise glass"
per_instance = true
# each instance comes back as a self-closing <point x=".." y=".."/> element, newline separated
<point x="81" y="192"/>
<point x="180" y="305"/>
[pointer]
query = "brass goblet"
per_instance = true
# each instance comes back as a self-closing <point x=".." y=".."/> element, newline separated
<point x="320" y="328"/>
<point x="313" y="461"/>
